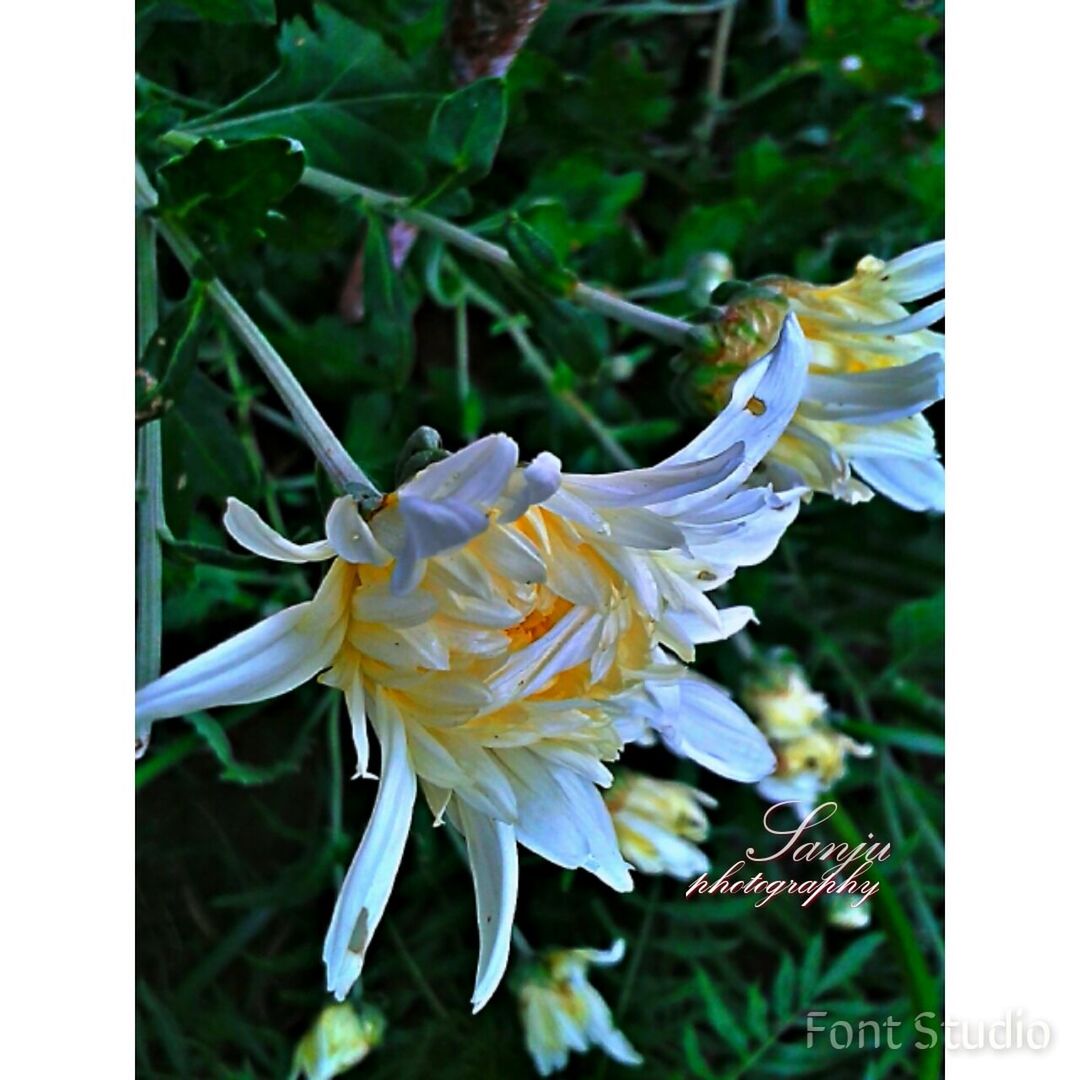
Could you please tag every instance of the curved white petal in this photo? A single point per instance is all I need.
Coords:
(430, 529)
(476, 474)
(876, 397)
(712, 730)
(533, 484)
(776, 383)
(350, 536)
(250, 531)
(657, 484)
(268, 659)
(914, 483)
(917, 273)
(366, 889)
(493, 860)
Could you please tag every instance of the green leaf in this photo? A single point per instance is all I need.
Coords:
(918, 627)
(467, 128)
(225, 193)
(720, 1017)
(783, 991)
(169, 359)
(345, 96)
(534, 257)
(886, 38)
(811, 969)
(203, 453)
(232, 11)
(386, 309)
(757, 1013)
(217, 742)
(850, 962)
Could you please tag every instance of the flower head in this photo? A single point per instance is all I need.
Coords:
(657, 823)
(782, 702)
(561, 1011)
(874, 368)
(339, 1039)
(505, 629)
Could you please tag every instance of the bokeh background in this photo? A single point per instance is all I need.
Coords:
(639, 136)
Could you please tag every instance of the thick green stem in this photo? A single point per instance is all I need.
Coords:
(663, 327)
(343, 471)
(150, 510)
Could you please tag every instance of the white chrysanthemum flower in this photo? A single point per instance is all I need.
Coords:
(809, 765)
(339, 1039)
(874, 368)
(657, 823)
(782, 702)
(561, 1011)
(505, 629)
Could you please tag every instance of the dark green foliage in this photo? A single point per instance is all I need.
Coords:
(600, 157)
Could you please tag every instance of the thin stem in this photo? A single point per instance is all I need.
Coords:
(534, 359)
(662, 327)
(344, 472)
(714, 82)
(150, 507)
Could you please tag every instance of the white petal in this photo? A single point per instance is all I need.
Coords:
(250, 531)
(511, 555)
(916, 484)
(268, 659)
(534, 484)
(712, 730)
(375, 603)
(476, 474)
(776, 381)
(351, 536)
(876, 397)
(917, 273)
(431, 528)
(493, 860)
(356, 705)
(366, 890)
(658, 484)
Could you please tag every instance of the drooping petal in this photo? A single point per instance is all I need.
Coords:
(493, 860)
(763, 400)
(658, 484)
(366, 889)
(712, 730)
(271, 658)
(249, 530)
(917, 273)
(350, 535)
(876, 397)
(914, 483)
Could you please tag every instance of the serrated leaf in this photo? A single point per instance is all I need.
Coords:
(757, 1014)
(467, 128)
(783, 990)
(850, 962)
(695, 1060)
(345, 95)
(224, 194)
(721, 1018)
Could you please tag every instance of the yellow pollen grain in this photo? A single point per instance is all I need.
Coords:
(755, 406)
(537, 623)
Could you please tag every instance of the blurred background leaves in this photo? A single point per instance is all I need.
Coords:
(610, 154)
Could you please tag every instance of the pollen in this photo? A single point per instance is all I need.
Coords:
(538, 622)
